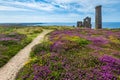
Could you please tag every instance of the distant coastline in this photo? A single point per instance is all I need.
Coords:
(110, 25)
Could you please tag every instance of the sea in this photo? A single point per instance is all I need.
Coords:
(109, 25)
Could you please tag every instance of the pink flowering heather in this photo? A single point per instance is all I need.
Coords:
(11, 37)
(78, 54)
(92, 46)
(98, 40)
(41, 72)
(111, 66)
(8, 39)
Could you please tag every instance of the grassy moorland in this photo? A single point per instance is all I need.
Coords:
(75, 54)
(13, 39)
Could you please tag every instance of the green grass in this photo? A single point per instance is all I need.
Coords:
(57, 27)
(45, 46)
(11, 48)
(78, 40)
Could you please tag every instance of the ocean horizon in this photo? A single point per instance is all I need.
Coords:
(110, 25)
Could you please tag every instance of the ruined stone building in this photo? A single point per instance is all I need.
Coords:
(85, 24)
(79, 24)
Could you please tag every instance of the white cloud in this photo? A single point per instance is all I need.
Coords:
(29, 5)
(85, 6)
(6, 8)
(36, 5)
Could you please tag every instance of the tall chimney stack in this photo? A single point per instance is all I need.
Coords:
(98, 17)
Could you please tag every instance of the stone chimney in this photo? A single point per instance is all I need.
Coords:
(98, 17)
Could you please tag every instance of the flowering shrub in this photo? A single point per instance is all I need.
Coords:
(70, 55)
(40, 72)
(98, 40)
(66, 41)
(12, 36)
(112, 63)
(109, 69)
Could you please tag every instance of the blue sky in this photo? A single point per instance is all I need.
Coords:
(56, 10)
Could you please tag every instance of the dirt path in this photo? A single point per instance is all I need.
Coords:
(9, 71)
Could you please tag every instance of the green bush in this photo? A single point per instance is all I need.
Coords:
(8, 43)
(45, 46)
(3, 60)
(80, 41)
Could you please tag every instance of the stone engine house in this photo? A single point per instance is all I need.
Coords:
(85, 24)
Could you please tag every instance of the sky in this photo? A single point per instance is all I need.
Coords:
(22, 11)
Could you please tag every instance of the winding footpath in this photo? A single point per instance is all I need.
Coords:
(10, 70)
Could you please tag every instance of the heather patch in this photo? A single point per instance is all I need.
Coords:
(109, 69)
(67, 41)
(75, 54)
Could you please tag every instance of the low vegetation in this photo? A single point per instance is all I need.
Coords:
(13, 39)
(75, 54)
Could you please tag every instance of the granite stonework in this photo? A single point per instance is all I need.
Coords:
(85, 24)
(98, 17)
